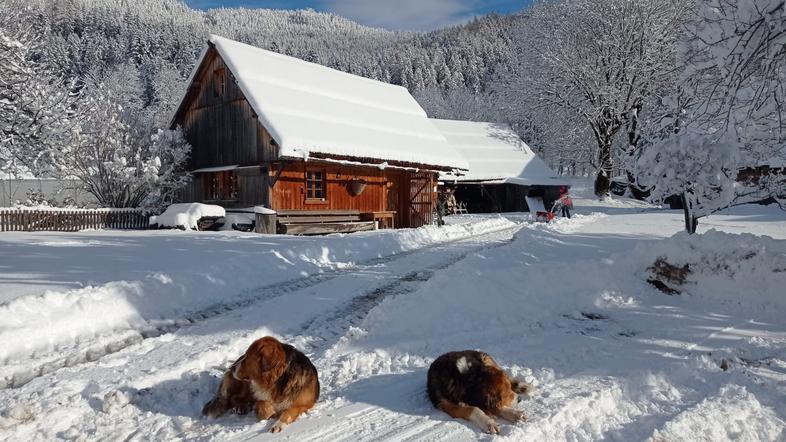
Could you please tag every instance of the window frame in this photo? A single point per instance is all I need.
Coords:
(323, 180)
(220, 186)
(219, 82)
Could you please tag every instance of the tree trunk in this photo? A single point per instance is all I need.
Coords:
(604, 128)
(691, 221)
(603, 178)
(634, 136)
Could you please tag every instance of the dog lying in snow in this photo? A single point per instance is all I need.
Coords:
(272, 379)
(470, 385)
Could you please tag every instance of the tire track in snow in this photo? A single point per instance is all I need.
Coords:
(327, 330)
(104, 345)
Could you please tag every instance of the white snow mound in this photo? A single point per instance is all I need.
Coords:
(186, 215)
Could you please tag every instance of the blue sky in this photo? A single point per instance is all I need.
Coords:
(391, 14)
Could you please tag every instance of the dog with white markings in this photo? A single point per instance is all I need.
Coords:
(272, 379)
(470, 385)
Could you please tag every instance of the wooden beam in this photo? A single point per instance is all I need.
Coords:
(324, 229)
(318, 212)
(280, 169)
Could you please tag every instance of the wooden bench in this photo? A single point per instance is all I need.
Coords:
(385, 219)
(321, 222)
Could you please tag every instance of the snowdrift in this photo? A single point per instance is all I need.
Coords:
(744, 269)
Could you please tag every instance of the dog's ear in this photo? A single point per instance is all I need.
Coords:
(270, 355)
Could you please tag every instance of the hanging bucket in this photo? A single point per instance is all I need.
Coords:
(356, 186)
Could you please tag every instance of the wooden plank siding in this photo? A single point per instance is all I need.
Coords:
(289, 193)
(222, 128)
(253, 189)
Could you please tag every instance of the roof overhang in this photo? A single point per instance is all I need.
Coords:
(372, 162)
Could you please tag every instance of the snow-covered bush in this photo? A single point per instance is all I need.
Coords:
(120, 158)
(693, 164)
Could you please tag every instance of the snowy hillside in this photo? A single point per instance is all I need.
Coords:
(566, 306)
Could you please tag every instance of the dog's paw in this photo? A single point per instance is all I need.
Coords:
(278, 427)
(486, 423)
(512, 415)
(491, 427)
(214, 408)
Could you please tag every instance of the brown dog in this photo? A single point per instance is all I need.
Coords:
(470, 385)
(273, 379)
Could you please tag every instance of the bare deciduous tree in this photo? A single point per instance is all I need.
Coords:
(600, 60)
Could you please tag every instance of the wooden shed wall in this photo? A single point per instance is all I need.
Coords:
(222, 129)
(289, 191)
(253, 189)
(386, 190)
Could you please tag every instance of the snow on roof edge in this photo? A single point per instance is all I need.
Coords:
(478, 141)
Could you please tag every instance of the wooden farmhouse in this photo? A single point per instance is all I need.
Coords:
(318, 146)
(505, 175)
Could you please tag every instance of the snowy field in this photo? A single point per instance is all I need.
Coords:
(123, 335)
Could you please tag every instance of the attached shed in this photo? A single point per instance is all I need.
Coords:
(268, 129)
(503, 170)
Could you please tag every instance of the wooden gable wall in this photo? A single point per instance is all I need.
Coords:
(223, 129)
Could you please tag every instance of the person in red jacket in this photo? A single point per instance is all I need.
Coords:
(563, 203)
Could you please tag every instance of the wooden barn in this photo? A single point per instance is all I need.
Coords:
(317, 145)
(505, 175)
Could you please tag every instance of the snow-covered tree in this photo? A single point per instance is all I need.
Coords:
(36, 106)
(599, 60)
(120, 159)
(725, 140)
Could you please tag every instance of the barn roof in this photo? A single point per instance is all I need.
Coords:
(495, 155)
(315, 111)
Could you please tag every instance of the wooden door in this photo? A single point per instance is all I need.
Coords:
(394, 200)
(421, 199)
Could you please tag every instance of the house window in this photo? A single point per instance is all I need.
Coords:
(219, 82)
(220, 186)
(315, 185)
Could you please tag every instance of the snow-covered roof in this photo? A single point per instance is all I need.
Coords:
(313, 110)
(495, 155)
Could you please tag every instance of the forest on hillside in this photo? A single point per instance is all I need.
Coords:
(597, 87)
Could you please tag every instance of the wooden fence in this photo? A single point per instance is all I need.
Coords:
(62, 220)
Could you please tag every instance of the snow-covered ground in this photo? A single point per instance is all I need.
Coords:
(565, 306)
(68, 297)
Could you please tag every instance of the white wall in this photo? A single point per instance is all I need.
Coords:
(17, 190)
